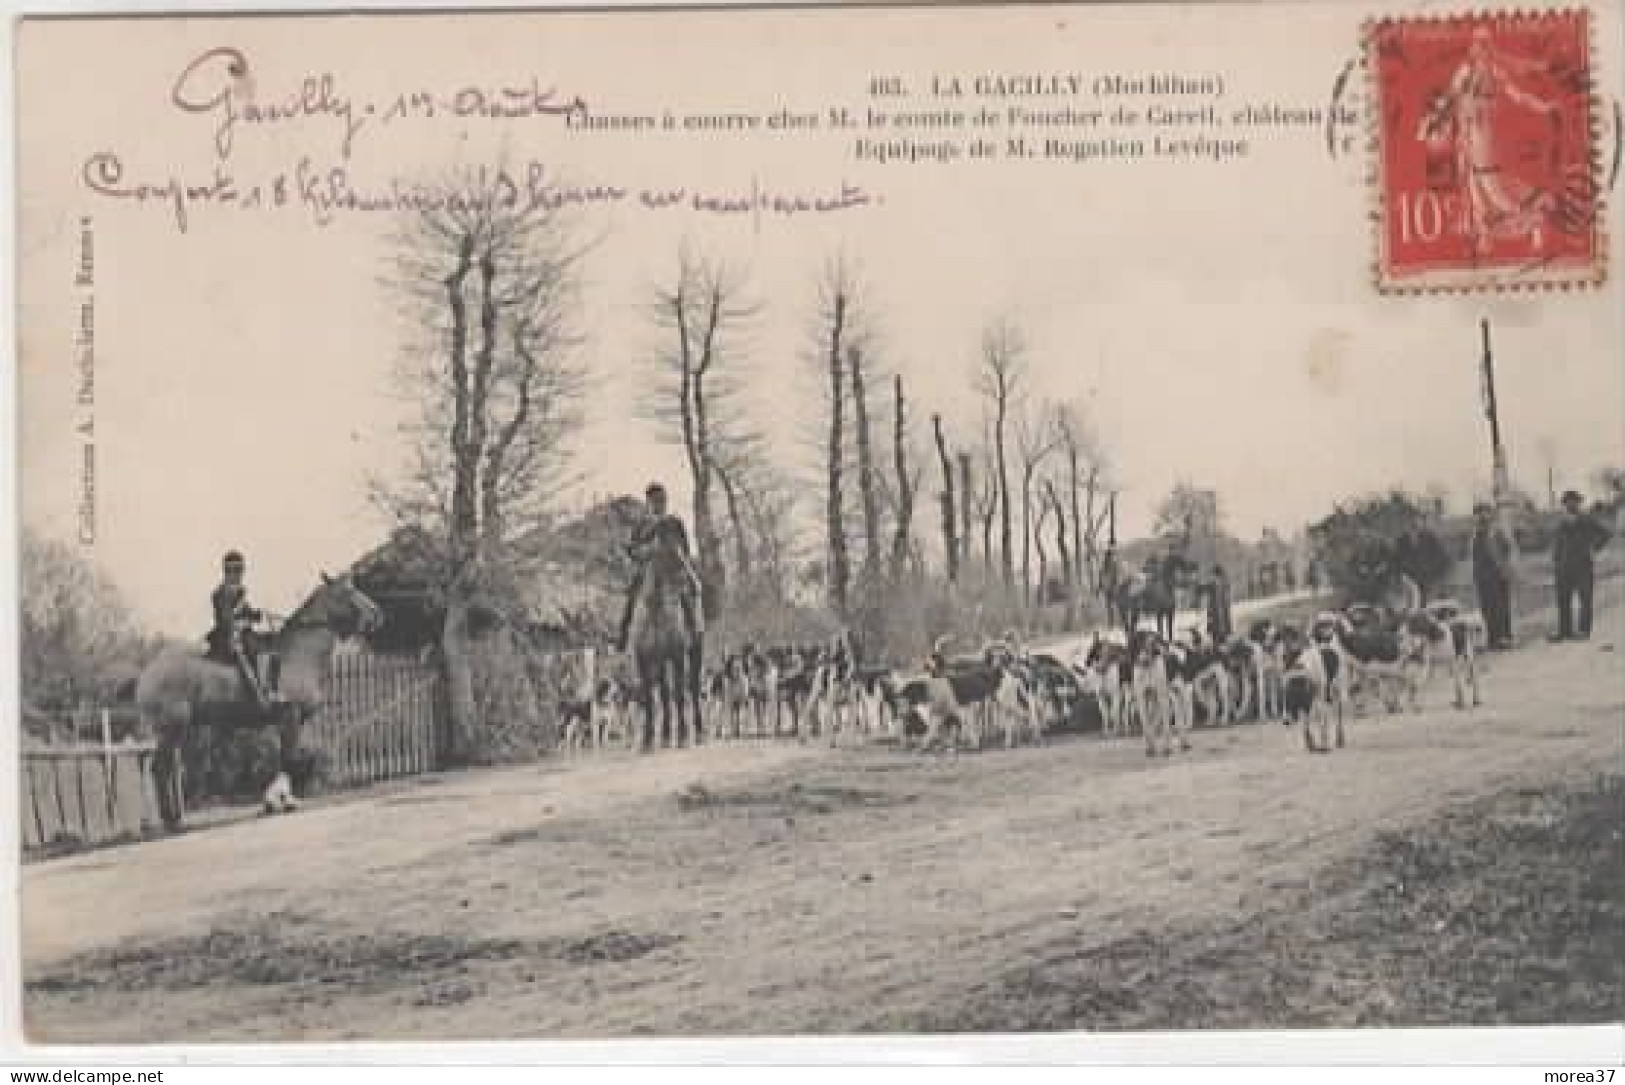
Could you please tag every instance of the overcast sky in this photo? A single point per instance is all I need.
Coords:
(1219, 320)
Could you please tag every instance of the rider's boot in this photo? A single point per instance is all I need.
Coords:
(273, 678)
(246, 667)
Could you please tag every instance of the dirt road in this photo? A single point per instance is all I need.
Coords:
(755, 889)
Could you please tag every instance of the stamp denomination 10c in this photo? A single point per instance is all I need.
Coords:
(1486, 164)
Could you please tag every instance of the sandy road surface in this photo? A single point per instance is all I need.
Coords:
(753, 889)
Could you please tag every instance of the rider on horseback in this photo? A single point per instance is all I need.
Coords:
(232, 640)
(661, 529)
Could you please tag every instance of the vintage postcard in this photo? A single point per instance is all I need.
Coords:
(777, 522)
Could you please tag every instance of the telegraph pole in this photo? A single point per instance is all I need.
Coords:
(1498, 459)
(1500, 482)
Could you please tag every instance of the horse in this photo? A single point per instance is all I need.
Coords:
(1152, 591)
(667, 655)
(183, 688)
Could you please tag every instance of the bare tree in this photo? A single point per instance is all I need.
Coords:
(1085, 478)
(867, 488)
(1068, 569)
(76, 637)
(768, 499)
(738, 531)
(1001, 381)
(950, 542)
(1608, 482)
(487, 281)
(1044, 511)
(703, 318)
(907, 482)
(838, 328)
(987, 508)
(1036, 439)
(965, 533)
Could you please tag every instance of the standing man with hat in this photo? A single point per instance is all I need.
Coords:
(1492, 575)
(661, 528)
(1579, 537)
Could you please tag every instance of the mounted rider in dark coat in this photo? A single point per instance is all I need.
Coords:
(661, 529)
(232, 639)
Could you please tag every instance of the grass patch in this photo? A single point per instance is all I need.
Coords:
(1506, 911)
(288, 949)
(794, 798)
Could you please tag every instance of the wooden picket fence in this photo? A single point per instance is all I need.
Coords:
(86, 793)
(385, 718)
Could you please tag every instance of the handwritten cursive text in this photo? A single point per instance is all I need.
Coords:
(219, 83)
(325, 192)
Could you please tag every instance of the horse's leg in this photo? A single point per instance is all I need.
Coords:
(696, 679)
(687, 729)
(647, 676)
(171, 763)
(656, 684)
(1185, 716)
(688, 715)
(670, 723)
(670, 732)
(688, 712)
(169, 772)
(695, 690)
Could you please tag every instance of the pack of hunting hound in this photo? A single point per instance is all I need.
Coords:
(1340, 664)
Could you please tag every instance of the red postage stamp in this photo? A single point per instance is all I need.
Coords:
(1486, 164)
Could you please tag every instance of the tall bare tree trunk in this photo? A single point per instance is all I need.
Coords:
(697, 444)
(1001, 384)
(840, 566)
(905, 482)
(1075, 573)
(693, 396)
(949, 543)
(498, 396)
(713, 574)
(866, 471)
(1027, 536)
(1043, 556)
(990, 517)
(1068, 570)
(1006, 559)
(736, 522)
(965, 532)
(1089, 560)
(464, 540)
(457, 650)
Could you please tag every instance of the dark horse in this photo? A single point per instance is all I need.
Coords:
(182, 689)
(1152, 592)
(667, 653)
